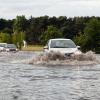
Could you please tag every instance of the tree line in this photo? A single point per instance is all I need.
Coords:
(85, 31)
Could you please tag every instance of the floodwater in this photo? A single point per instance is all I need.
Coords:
(22, 81)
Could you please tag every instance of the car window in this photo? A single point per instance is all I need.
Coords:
(11, 46)
(62, 44)
(2, 45)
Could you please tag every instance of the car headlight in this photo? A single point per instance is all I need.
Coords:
(77, 52)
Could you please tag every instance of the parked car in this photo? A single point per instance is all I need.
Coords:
(2, 46)
(10, 47)
(65, 46)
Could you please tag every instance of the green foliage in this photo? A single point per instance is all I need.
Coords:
(81, 40)
(90, 40)
(19, 29)
(51, 32)
(7, 30)
(19, 24)
(84, 30)
(4, 37)
(36, 26)
(18, 38)
(92, 32)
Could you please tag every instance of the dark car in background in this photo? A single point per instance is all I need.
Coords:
(10, 47)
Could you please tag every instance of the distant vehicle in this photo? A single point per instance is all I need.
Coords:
(2, 46)
(64, 46)
(10, 47)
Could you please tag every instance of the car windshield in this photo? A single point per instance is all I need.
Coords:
(11, 46)
(2, 45)
(62, 44)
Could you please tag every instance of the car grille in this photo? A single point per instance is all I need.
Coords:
(12, 49)
(68, 54)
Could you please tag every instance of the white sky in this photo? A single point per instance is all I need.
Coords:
(11, 8)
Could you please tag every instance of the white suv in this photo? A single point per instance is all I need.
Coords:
(64, 46)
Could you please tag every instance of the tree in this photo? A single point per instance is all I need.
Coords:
(36, 27)
(18, 38)
(51, 32)
(81, 40)
(19, 28)
(90, 39)
(4, 37)
(92, 32)
(7, 30)
(20, 24)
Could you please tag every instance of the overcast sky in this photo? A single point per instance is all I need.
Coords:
(11, 8)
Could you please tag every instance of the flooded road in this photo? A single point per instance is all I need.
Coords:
(22, 81)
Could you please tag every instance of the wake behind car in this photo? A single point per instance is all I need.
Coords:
(64, 46)
(10, 47)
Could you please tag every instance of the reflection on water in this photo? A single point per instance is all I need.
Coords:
(21, 81)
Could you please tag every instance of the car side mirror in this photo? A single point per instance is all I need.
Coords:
(78, 47)
(45, 47)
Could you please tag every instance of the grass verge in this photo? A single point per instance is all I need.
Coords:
(33, 48)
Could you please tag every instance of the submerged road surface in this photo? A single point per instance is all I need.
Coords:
(21, 81)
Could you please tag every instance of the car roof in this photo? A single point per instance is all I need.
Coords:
(60, 39)
(10, 44)
(3, 43)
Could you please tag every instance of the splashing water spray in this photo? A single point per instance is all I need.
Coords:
(54, 58)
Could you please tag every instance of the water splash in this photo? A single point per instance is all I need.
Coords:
(56, 58)
(52, 58)
(89, 56)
